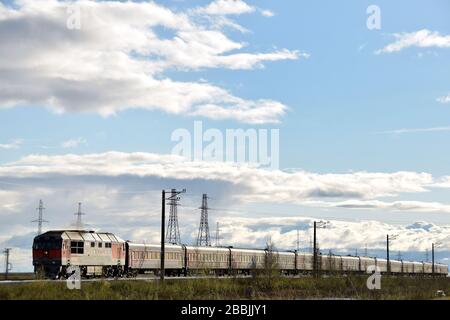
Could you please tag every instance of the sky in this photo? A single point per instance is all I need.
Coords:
(91, 93)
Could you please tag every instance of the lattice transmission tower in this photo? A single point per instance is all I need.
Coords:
(173, 230)
(79, 223)
(203, 238)
(40, 220)
(217, 234)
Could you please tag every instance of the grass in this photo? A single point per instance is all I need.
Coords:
(18, 276)
(233, 288)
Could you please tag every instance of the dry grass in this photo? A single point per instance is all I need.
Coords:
(18, 276)
(234, 288)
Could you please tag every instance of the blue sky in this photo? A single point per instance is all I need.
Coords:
(339, 98)
(345, 103)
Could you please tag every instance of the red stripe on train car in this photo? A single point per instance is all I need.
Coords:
(48, 254)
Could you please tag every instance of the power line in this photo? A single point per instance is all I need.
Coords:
(203, 238)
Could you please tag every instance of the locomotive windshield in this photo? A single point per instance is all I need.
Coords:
(47, 243)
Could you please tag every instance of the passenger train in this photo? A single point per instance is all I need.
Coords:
(106, 255)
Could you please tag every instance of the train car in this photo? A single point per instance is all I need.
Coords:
(350, 264)
(331, 263)
(247, 259)
(427, 268)
(286, 262)
(396, 266)
(366, 262)
(417, 267)
(95, 253)
(304, 262)
(142, 258)
(382, 265)
(208, 258)
(408, 267)
(441, 269)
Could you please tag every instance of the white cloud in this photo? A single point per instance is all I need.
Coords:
(422, 39)
(118, 60)
(444, 99)
(267, 13)
(260, 185)
(226, 7)
(73, 143)
(414, 130)
(15, 144)
(9, 201)
(414, 206)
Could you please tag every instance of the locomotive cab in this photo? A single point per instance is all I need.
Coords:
(47, 249)
(94, 253)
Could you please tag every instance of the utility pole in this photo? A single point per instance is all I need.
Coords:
(203, 238)
(79, 224)
(174, 193)
(321, 225)
(393, 237)
(432, 259)
(173, 230)
(40, 219)
(387, 255)
(8, 265)
(315, 252)
(298, 242)
(399, 256)
(163, 222)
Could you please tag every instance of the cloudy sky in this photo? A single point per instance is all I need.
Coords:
(91, 92)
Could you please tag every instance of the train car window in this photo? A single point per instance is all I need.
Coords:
(92, 244)
(100, 244)
(77, 247)
(107, 245)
